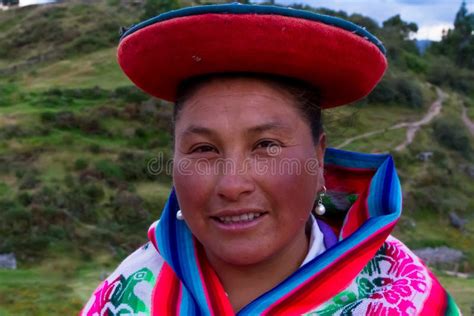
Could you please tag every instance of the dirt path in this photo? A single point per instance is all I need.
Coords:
(7, 120)
(412, 127)
(469, 124)
(365, 135)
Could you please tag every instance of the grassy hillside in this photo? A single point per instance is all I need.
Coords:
(76, 139)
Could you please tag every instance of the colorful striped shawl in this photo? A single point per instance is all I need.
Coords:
(367, 272)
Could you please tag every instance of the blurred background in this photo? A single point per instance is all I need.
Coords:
(81, 148)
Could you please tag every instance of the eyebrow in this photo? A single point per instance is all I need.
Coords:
(275, 126)
(270, 126)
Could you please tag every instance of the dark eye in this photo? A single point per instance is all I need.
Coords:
(267, 144)
(203, 149)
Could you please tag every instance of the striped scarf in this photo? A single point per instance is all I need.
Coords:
(365, 272)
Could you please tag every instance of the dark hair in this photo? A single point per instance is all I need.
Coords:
(306, 97)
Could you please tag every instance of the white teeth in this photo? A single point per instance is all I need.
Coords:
(247, 217)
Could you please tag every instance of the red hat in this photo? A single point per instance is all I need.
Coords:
(342, 60)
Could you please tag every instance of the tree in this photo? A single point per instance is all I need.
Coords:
(458, 43)
(396, 35)
(399, 27)
(461, 16)
(370, 24)
(9, 2)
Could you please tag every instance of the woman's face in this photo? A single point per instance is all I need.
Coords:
(246, 170)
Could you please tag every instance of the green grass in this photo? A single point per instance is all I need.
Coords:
(4, 63)
(5, 189)
(153, 192)
(346, 122)
(65, 29)
(58, 286)
(462, 290)
(379, 143)
(96, 69)
(70, 139)
(34, 293)
(30, 108)
(54, 165)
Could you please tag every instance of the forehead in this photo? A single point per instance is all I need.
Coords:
(235, 85)
(239, 95)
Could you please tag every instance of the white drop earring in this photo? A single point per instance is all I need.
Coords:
(320, 209)
(179, 215)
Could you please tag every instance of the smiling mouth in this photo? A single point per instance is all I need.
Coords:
(236, 219)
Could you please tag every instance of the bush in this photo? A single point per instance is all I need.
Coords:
(56, 97)
(50, 212)
(29, 181)
(25, 198)
(48, 117)
(415, 63)
(385, 92)
(109, 169)
(133, 166)
(16, 214)
(91, 126)
(130, 94)
(140, 132)
(443, 72)
(53, 98)
(7, 94)
(93, 93)
(66, 120)
(128, 207)
(57, 232)
(409, 93)
(48, 196)
(95, 148)
(80, 205)
(452, 134)
(94, 192)
(402, 91)
(15, 218)
(14, 131)
(80, 164)
(86, 43)
(163, 139)
(38, 242)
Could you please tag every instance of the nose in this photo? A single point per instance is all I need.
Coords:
(232, 186)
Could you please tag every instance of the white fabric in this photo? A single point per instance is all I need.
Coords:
(316, 242)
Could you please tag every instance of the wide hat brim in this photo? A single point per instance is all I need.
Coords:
(340, 59)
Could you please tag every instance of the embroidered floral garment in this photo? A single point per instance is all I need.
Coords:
(366, 272)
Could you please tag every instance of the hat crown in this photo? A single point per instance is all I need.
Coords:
(340, 59)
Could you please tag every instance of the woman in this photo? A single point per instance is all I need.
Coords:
(246, 229)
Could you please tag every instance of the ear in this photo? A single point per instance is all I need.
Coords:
(320, 150)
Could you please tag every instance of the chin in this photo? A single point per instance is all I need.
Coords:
(242, 256)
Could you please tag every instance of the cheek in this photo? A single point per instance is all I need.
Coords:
(292, 188)
(192, 189)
